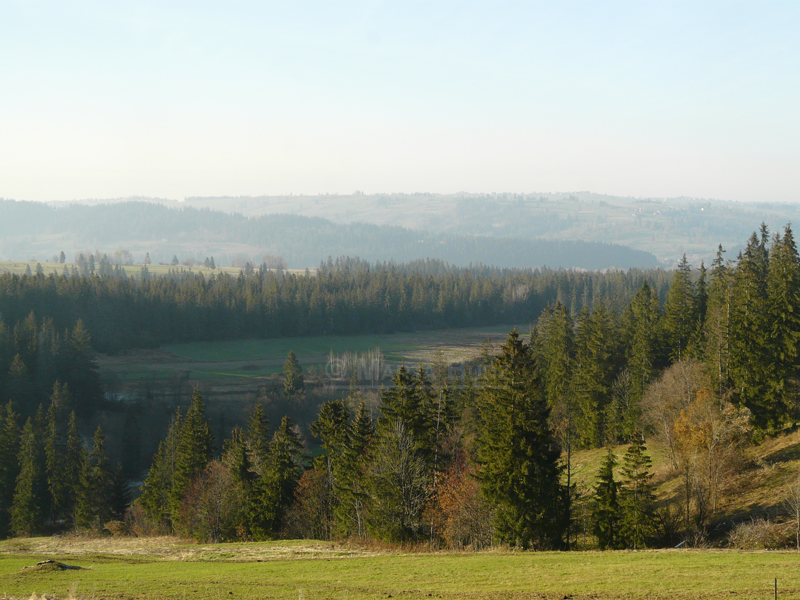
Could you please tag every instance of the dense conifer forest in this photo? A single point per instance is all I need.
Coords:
(705, 358)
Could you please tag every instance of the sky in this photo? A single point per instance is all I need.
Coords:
(176, 99)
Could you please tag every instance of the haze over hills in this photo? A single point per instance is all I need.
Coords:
(39, 231)
(665, 227)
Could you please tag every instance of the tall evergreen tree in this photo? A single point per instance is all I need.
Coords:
(749, 325)
(643, 339)
(30, 504)
(717, 323)
(56, 453)
(519, 456)
(350, 485)
(680, 312)
(606, 513)
(783, 333)
(636, 497)
(194, 450)
(293, 382)
(74, 465)
(94, 507)
(157, 487)
(280, 480)
(9, 464)
(256, 437)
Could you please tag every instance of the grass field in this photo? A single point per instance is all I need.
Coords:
(255, 359)
(317, 570)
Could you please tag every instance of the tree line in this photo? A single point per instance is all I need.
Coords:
(49, 479)
(343, 297)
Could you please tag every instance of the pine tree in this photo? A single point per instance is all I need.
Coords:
(636, 497)
(293, 383)
(194, 450)
(521, 472)
(606, 513)
(29, 507)
(9, 464)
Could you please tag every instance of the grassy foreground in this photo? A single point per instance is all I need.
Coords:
(317, 570)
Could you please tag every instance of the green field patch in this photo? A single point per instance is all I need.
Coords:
(310, 572)
(395, 346)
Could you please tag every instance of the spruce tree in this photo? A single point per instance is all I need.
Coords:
(194, 450)
(30, 503)
(717, 322)
(350, 485)
(157, 487)
(293, 383)
(748, 327)
(520, 460)
(9, 464)
(56, 453)
(783, 333)
(280, 479)
(606, 513)
(636, 497)
(74, 465)
(256, 437)
(643, 345)
(94, 507)
(679, 311)
(410, 401)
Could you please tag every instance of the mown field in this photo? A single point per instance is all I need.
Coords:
(166, 569)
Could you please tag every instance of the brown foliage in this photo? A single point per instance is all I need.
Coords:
(212, 509)
(311, 515)
(709, 440)
(458, 513)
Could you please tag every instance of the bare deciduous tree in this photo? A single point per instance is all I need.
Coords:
(792, 504)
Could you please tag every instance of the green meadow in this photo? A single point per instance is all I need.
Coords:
(322, 570)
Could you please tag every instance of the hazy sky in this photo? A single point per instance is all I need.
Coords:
(172, 99)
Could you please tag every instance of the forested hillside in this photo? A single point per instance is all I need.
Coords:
(666, 227)
(707, 366)
(32, 229)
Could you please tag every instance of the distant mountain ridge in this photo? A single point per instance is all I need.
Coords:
(665, 227)
(164, 228)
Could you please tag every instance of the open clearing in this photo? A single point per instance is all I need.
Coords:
(254, 359)
(165, 569)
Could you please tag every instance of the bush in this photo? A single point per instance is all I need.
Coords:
(757, 534)
(117, 528)
(138, 524)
